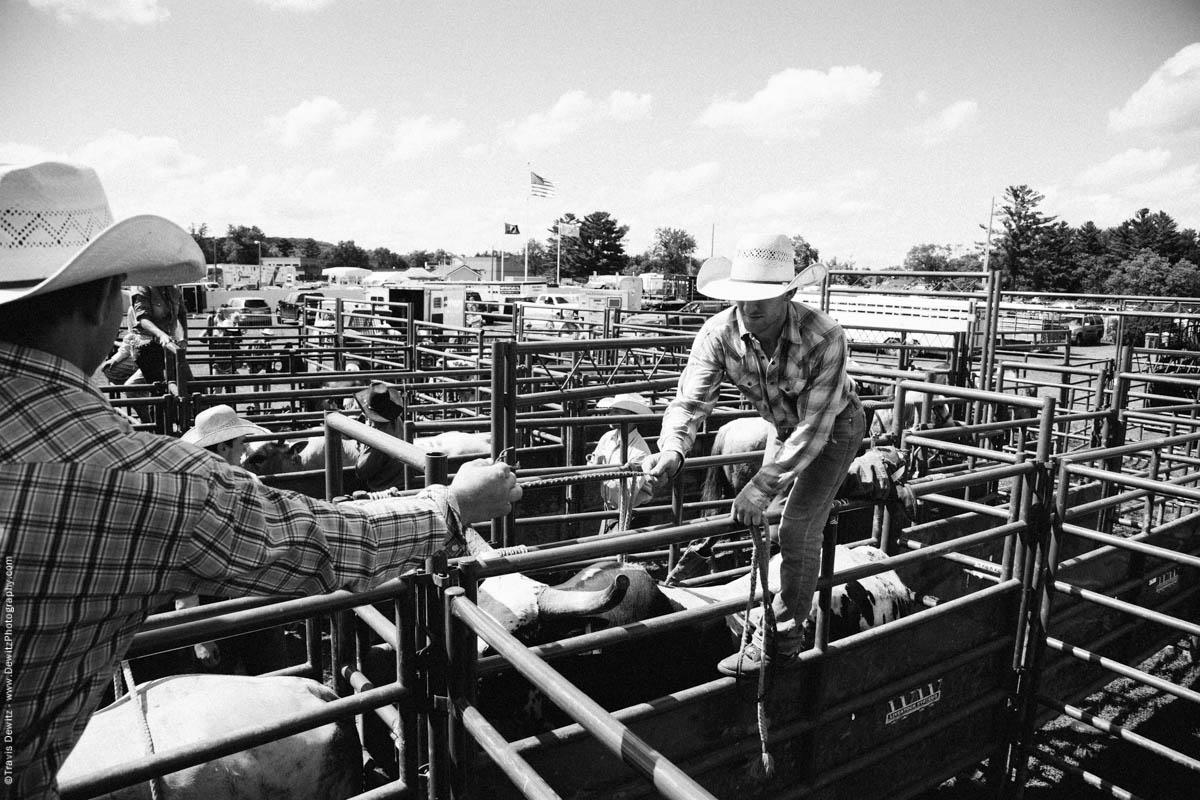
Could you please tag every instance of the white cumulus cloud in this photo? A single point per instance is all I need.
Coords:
(662, 184)
(140, 158)
(570, 114)
(627, 106)
(136, 12)
(296, 5)
(1133, 164)
(1168, 102)
(307, 120)
(420, 135)
(356, 132)
(794, 102)
(951, 120)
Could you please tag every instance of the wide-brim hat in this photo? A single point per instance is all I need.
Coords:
(219, 424)
(762, 267)
(380, 402)
(57, 230)
(633, 403)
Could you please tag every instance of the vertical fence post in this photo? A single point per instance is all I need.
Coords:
(405, 613)
(460, 664)
(504, 419)
(333, 462)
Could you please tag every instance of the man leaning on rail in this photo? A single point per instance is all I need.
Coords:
(100, 523)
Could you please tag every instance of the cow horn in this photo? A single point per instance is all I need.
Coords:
(557, 603)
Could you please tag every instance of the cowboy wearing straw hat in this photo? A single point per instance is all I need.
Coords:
(789, 361)
(622, 444)
(220, 430)
(99, 523)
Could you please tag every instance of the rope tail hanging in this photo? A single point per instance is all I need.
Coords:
(139, 700)
(759, 571)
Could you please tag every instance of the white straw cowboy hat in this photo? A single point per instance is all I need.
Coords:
(633, 403)
(219, 424)
(762, 267)
(57, 230)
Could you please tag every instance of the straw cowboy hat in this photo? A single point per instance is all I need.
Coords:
(57, 230)
(633, 403)
(380, 402)
(219, 424)
(762, 267)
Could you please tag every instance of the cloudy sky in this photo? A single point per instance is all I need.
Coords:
(867, 127)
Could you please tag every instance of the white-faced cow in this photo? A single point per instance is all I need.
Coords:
(320, 764)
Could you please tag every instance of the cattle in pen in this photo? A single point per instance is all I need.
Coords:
(324, 763)
(278, 457)
(618, 593)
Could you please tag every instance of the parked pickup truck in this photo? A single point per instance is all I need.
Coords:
(289, 308)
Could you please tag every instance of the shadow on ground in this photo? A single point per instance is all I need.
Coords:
(1154, 714)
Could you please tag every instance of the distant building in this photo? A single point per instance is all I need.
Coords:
(304, 269)
(456, 270)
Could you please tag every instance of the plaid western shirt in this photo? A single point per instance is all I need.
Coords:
(100, 524)
(800, 389)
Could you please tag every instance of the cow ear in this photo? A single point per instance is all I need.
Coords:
(297, 447)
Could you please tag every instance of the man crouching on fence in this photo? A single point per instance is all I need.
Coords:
(789, 362)
(100, 523)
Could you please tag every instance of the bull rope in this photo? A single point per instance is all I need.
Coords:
(533, 483)
(136, 697)
(759, 570)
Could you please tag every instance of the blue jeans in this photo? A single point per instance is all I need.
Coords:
(803, 524)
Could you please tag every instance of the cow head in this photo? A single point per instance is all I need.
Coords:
(273, 458)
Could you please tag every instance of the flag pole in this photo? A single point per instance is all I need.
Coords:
(528, 168)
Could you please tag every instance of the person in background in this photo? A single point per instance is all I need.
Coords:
(99, 523)
(222, 432)
(158, 313)
(789, 362)
(622, 445)
(120, 366)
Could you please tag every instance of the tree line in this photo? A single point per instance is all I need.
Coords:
(1146, 254)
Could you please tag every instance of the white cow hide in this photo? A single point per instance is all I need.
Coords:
(320, 764)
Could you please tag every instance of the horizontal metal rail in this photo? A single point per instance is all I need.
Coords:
(1157, 487)
(177, 758)
(505, 756)
(1115, 634)
(389, 445)
(1123, 670)
(1140, 612)
(1090, 778)
(1120, 732)
(230, 623)
(942, 446)
(1129, 544)
(672, 782)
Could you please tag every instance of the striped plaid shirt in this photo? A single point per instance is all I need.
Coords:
(100, 524)
(800, 388)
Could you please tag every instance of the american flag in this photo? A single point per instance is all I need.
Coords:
(539, 186)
